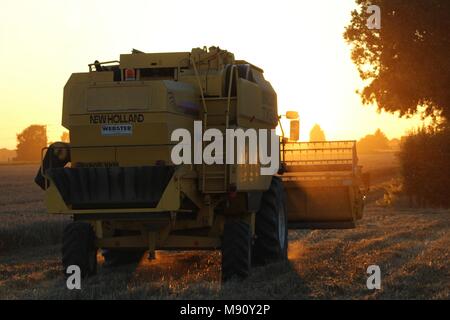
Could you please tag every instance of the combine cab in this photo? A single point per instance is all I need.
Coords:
(118, 180)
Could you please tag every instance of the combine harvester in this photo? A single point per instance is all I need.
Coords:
(126, 195)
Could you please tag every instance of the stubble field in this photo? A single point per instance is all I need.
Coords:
(411, 246)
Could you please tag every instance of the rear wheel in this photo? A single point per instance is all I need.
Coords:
(271, 230)
(79, 248)
(236, 250)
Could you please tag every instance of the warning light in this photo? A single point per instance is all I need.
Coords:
(130, 74)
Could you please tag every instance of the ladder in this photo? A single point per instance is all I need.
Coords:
(214, 178)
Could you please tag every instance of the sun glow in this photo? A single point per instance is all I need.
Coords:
(299, 44)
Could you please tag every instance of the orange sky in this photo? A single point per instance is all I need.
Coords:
(298, 43)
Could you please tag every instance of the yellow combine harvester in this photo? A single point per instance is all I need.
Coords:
(118, 180)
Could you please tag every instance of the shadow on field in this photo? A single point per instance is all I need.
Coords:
(172, 275)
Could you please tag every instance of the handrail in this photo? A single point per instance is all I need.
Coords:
(230, 84)
(101, 63)
(227, 114)
(197, 77)
(352, 142)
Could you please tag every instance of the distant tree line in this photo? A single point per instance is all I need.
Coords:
(373, 142)
(30, 143)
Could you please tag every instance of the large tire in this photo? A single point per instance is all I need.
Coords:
(118, 257)
(79, 248)
(271, 229)
(236, 250)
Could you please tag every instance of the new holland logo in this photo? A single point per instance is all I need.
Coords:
(117, 130)
(116, 118)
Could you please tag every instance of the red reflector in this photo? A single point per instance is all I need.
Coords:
(232, 194)
(232, 191)
(130, 74)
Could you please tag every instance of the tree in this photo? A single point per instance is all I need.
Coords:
(65, 137)
(425, 166)
(316, 133)
(406, 63)
(373, 142)
(394, 144)
(30, 143)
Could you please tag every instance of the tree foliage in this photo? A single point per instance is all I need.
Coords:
(406, 64)
(425, 166)
(316, 134)
(30, 143)
(373, 142)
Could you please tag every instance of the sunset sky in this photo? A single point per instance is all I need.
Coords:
(299, 44)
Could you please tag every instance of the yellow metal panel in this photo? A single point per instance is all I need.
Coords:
(214, 87)
(92, 155)
(249, 102)
(122, 242)
(104, 76)
(53, 200)
(170, 200)
(138, 156)
(114, 98)
(153, 128)
(191, 242)
(154, 60)
(142, 134)
(73, 101)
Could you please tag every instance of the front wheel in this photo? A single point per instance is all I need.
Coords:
(79, 248)
(271, 229)
(236, 250)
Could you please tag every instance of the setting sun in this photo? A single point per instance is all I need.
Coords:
(298, 44)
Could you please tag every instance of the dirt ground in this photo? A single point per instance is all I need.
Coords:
(411, 246)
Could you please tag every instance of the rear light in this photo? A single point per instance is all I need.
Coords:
(130, 74)
(232, 191)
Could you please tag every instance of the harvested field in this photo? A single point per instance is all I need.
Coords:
(411, 246)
